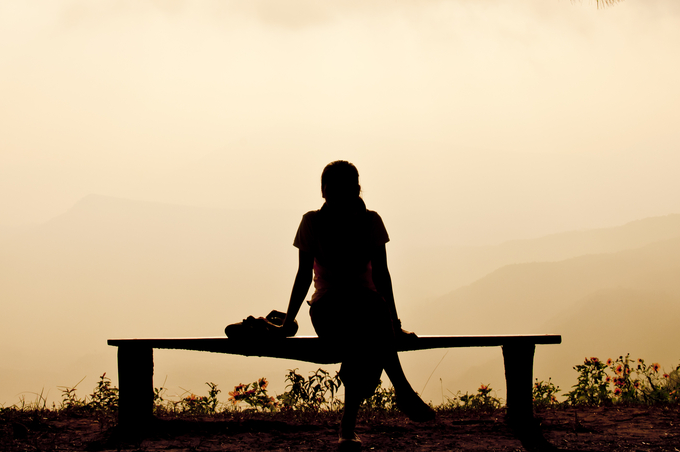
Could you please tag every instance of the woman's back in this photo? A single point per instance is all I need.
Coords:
(342, 243)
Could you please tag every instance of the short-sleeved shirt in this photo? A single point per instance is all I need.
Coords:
(341, 245)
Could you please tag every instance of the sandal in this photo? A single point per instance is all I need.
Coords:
(261, 328)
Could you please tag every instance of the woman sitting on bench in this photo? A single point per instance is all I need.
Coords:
(342, 247)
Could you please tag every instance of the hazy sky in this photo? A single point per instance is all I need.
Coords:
(500, 118)
(471, 122)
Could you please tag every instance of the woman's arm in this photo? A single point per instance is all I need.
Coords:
(383, 284)
(303, 279)
(383, 281)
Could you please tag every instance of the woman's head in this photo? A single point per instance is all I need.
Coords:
(340, 182)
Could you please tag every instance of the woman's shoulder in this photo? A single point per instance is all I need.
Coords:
(310, 215)
(377, 227)
(309, 219)
(374, 216)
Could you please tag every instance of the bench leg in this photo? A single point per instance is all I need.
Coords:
(519, 373)
(135, 384)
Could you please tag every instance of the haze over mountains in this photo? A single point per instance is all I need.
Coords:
(134, 268)
(444, 268)
(603, 305)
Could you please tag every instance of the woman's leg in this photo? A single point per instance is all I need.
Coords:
(358, 326)
(370, 361)
(353, 401)
(336, 321)
(408, 400)
(395, 372)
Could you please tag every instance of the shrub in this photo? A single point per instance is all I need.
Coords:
(254, 395)
(317, 392)
(199, 405)
(544, 394)
(105, 396)
(159, 404)
(623, 380)
(69, 399)
(103, 400)
(672, 385)
(383, 399)
(592, 387)
(482, 401)
(630, 381)
(649, 386)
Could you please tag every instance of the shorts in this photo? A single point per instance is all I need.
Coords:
(355, 324)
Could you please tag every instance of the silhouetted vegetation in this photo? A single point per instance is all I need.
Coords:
(624, 380)
(599, 383)
(310, 404)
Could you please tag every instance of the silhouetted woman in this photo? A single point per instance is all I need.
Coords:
(342, 248)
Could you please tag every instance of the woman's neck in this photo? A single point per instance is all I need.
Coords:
(344, 206)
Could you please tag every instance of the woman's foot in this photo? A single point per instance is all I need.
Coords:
(413, 406)
(349, 442)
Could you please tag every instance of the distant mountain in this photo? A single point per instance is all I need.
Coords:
(119, 268)
(603, 305)
(120, 257)
(607, 324)
(617, 321)
(521, 297)
(432, 272)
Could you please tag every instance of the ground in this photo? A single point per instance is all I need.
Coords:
(595, 429)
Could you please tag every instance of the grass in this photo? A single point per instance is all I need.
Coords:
(621, 381)
(310, 409)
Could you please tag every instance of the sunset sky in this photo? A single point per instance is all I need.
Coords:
(472, 122)
(500, 118)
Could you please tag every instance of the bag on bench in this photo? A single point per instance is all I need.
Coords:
(253, 328)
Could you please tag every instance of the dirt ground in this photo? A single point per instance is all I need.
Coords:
(592, 429)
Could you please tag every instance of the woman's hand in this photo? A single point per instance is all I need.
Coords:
(288, 329)
(401, 333)
(404, 334)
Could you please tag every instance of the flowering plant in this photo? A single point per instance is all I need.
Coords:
(592, 387)
(624, 380)
(483, 400)
(544, 393)
(313, 393)
(194, 404)
(254, 394)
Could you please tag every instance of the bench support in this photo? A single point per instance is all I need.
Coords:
(519, 365)
(135, 370)
(135, 382)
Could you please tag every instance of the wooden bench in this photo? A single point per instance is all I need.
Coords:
(135, 365)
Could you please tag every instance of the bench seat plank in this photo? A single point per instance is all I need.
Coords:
(312, 349)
